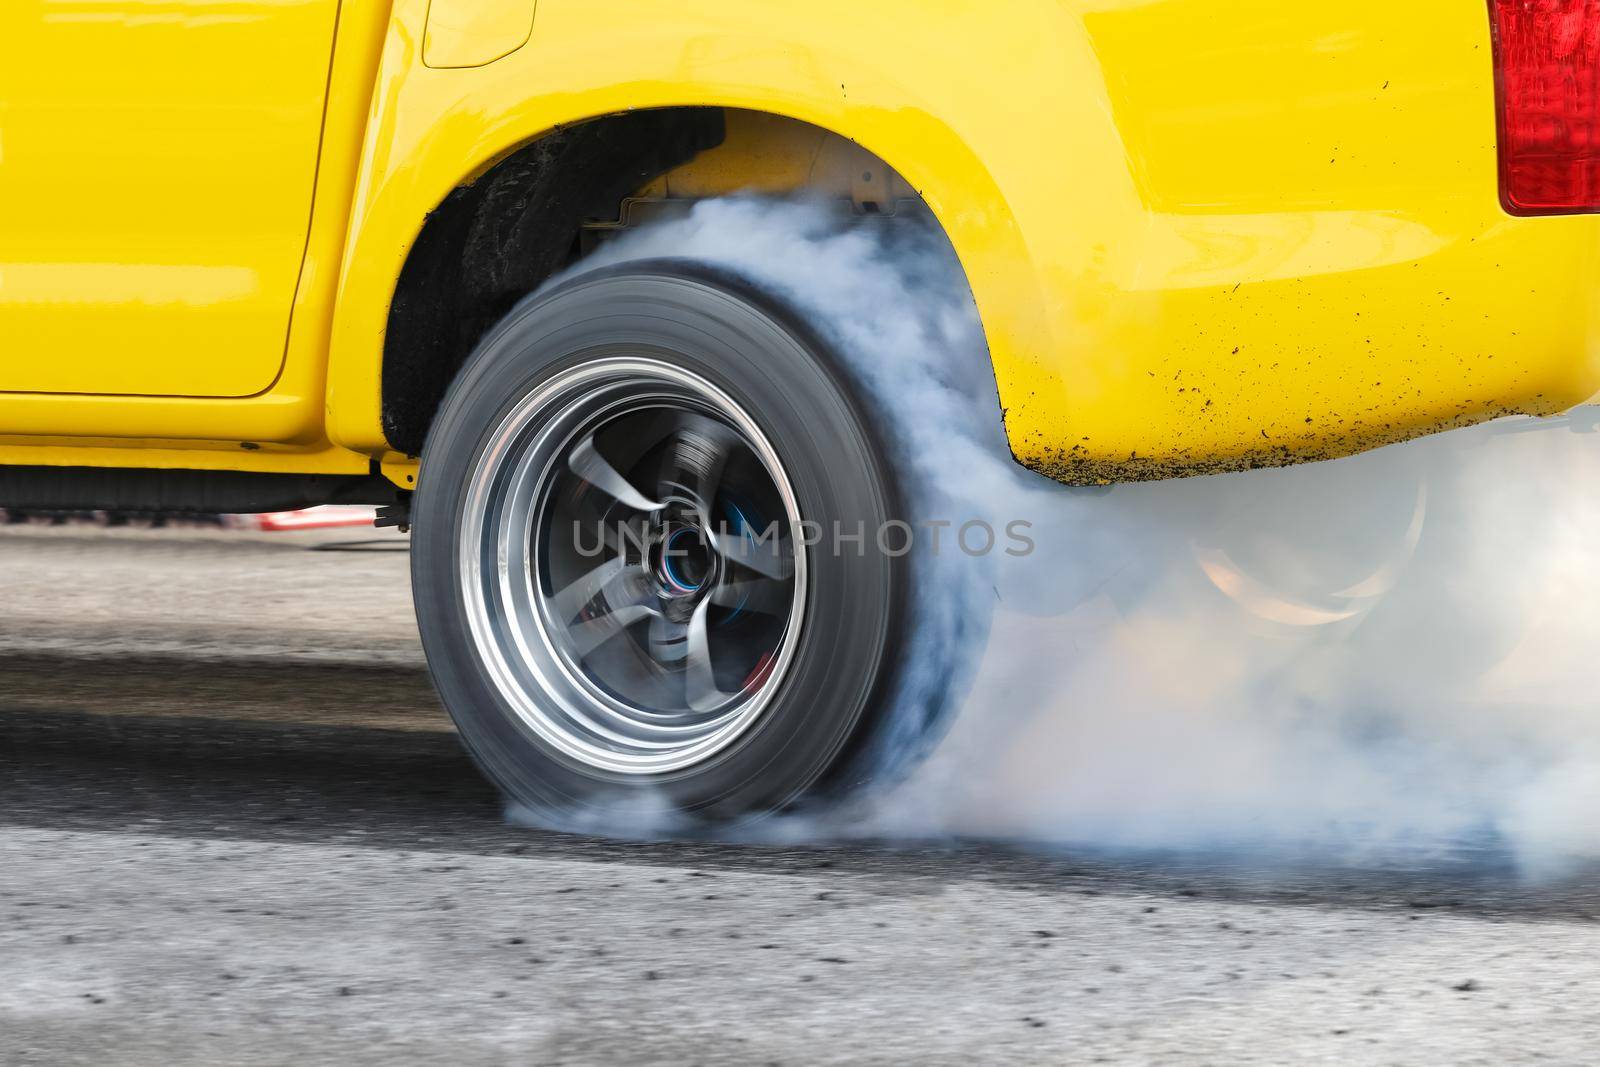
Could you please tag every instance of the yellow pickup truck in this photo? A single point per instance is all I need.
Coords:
(265, 253)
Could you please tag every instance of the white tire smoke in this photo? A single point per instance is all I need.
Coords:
(1386, 653)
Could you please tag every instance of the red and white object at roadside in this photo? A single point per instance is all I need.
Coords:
(325, 517)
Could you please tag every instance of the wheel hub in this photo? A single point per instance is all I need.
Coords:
(684, 565)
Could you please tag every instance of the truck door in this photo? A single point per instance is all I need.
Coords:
(157, 163)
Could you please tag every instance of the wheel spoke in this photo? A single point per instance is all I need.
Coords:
(630, 539)
(590, 635)
(667, 640)
(768, 557)
(701, 449)
(587, 463)
(608, 576)
(700, 681)
(761, 595)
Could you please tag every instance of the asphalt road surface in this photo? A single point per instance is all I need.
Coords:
(235, 828)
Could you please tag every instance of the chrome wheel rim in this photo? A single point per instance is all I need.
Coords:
(631, 577)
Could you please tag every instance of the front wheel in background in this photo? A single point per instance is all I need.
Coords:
(626, 567)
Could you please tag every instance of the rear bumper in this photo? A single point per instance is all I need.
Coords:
(1276, 358)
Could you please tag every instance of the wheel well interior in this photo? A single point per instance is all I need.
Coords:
(495, 239)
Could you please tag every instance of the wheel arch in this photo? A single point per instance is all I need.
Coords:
(399, 237)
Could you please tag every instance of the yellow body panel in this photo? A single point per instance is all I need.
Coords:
(1202, 234)
(467, 33)
(155, 189)
(278, 429)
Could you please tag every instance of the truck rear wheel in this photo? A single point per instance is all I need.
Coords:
(626, 570)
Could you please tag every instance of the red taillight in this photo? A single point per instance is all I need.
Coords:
(1547, 73)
